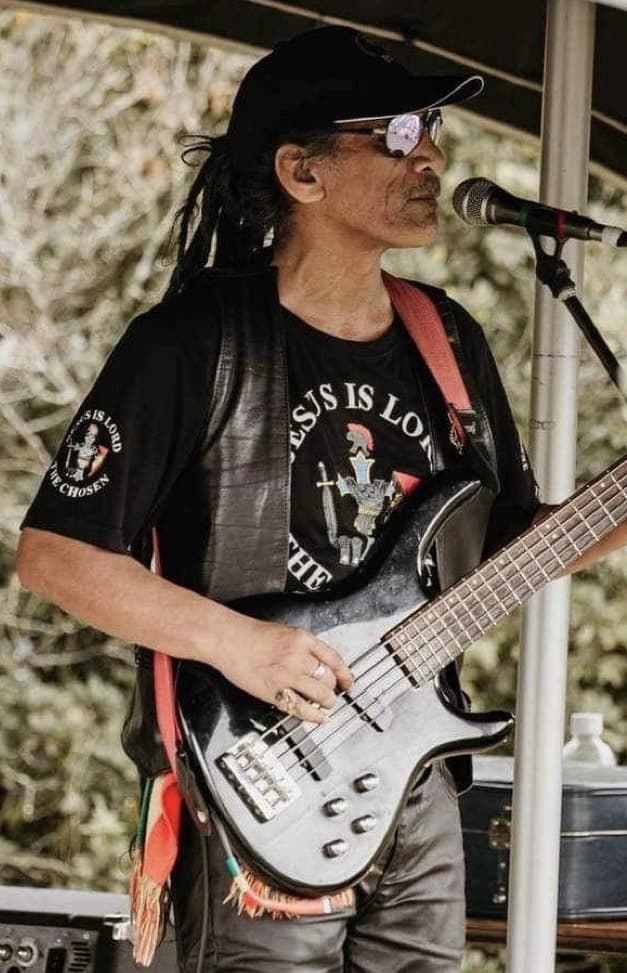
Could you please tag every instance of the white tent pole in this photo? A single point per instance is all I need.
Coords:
(542, 671)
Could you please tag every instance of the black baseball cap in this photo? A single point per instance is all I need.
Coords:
(325, 76)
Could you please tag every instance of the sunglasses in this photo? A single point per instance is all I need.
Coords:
(403, 132)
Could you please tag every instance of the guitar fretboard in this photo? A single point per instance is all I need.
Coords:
(439, 632)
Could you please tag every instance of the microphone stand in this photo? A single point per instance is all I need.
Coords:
(554, 273)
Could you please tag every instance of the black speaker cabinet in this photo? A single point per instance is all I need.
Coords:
(70, 931)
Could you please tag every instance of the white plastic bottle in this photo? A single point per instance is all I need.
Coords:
(585, 745)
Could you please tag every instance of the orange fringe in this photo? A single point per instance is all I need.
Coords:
(147, 912)
(251, 895)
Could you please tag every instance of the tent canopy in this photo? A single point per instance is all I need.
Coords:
(503, 41)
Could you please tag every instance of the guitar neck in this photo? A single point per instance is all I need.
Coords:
(435, 635)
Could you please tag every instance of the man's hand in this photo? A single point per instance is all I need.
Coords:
(266, 658)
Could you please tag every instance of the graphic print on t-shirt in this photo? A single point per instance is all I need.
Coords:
(374, 499)
(357, 451)
(78, 469)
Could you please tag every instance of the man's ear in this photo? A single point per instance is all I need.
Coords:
(298, 175)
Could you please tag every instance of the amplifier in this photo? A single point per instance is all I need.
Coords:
(70, 931)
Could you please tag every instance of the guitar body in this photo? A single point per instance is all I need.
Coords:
(311, 806)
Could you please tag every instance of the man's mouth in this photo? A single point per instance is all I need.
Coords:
(430, 191)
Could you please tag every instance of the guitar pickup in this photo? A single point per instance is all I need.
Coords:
(370, 709)
(311, 756)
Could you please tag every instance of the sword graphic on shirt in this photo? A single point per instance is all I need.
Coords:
(375, 499)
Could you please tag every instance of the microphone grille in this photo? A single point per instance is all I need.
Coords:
(470, 198)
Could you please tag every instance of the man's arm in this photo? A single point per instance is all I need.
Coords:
(116, 594)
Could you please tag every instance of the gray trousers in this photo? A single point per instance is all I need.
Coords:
(409, 915)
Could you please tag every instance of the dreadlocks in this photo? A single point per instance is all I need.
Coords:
(236, 211)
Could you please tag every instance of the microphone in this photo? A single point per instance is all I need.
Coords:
(481, 202)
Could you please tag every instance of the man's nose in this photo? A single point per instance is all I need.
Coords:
(427, 155)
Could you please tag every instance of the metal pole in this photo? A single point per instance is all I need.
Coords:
(542, 672)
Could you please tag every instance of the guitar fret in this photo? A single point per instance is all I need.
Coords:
(509, 587)
(578, 530)
(471, 593)
(442, 644)
(504, 559)
(538, 565)
(585, 522)
(452, 593)
(525, 550)
(569, 538)
(426, 661)
(485, 605)
(407, 651)
(451, 626)
(607, 512)
(484, 608)
(621, 488)
(555, 538)
(552, 553)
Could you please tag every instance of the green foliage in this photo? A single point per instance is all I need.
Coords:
(91, 179)
(62, 765)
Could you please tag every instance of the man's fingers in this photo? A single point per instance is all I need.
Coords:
(335, 663)
(295, 705)
(316, 691)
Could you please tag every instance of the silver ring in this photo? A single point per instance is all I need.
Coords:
(286, 699)
(319, 671)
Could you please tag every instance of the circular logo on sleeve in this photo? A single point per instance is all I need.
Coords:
(80, 467)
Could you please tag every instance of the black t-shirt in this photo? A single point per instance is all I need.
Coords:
(367, 425)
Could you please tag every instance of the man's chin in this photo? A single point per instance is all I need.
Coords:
(419, 235)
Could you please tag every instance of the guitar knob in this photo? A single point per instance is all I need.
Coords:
(335, 849)
(367, 782)
(366, 823)
(337, 805)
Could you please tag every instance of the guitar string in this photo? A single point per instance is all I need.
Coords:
(347, 708)
(552, 522)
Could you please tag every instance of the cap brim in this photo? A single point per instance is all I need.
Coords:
(427, 93)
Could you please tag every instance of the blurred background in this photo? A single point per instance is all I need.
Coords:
(92, 119)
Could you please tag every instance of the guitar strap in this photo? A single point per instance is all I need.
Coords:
(422, 319)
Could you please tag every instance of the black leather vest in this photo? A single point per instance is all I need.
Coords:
(246, 470)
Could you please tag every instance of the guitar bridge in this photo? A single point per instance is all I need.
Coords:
(258, 776)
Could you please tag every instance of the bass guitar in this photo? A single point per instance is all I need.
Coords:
(310, 805)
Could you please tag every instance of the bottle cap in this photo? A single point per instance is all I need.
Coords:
(586, 724)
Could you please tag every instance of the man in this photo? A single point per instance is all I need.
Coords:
(332, 150)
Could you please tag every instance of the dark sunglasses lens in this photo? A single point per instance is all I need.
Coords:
(403, 134)
(405, 131)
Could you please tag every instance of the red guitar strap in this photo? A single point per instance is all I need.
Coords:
(164, 683)
(422, 319)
